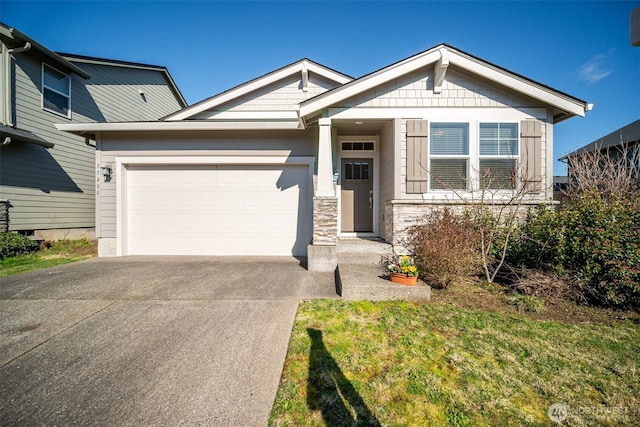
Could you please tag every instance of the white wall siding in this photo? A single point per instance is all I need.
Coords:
(387, 175)
(284, 95)
(251, 144)
(458, 90)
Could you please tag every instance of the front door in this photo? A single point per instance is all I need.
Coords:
(357, 195)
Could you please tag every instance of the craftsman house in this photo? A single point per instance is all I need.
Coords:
(291, 161)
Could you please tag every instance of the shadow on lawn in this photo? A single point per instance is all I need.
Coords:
(329, 391)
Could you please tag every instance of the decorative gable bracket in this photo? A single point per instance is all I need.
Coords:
(439, 70)
(305, 77)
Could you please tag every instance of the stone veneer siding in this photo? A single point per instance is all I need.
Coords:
(4, 215)
(404, 214)
(325, 220)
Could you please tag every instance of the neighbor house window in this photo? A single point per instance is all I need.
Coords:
(498, 156)
(56, 91)
(449, 156)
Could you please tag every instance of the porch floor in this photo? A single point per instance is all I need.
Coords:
(362, 273)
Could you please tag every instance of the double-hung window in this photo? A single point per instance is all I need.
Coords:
(498, 156)
(56, 91)
(449, 156)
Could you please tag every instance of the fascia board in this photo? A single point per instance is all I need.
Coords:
(16, 35)
(93, 128)
(519, 85)
(250, 115)
(368, 82)
(329, 74)
(358, 86)
(233, 93)
(131, 65)
(255, 85)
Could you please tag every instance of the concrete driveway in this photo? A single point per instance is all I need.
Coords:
(148, 340)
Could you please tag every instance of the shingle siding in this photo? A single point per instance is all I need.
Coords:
(284, 95)
(458, 90)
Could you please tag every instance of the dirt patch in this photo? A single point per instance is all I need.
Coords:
(495, 298)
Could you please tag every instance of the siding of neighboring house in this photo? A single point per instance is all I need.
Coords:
(115, 91)
(47, 188)
(283, 95)
(55, 188)
(223, 143)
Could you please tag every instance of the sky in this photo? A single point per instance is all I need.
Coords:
(578, 47)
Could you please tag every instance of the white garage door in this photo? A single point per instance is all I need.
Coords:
(218, 210)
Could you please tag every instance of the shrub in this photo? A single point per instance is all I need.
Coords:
(539, 241)
(594, 242)
(444, 248)
(12, 244)
(526, 303)
(602, 248)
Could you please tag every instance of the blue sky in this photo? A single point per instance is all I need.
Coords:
(581, 48)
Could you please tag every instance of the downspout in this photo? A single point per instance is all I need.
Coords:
(6, 71)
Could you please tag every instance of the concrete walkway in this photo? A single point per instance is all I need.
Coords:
(149, 341)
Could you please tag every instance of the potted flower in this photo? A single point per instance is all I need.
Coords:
(403, 271)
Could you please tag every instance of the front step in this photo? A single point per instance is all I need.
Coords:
(362, 275)
(358, 282)
(363, 251)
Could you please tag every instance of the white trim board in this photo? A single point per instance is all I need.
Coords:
(122, 164)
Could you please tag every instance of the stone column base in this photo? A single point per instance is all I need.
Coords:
(322, 258)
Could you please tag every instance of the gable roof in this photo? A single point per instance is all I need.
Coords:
(628, 134)
(18, 40)
(441, 56)
(257, 83)
(81, 59)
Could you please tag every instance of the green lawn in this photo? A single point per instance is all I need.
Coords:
(405, 364)
(60, 252)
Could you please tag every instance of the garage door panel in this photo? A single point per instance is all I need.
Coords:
(218, 210)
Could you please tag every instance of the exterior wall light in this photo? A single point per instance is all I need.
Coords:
(106, 172)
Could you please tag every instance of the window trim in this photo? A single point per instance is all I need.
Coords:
(66, 95)
(466, 157)
(516, 158)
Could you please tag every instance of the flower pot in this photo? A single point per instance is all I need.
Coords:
(403, 279)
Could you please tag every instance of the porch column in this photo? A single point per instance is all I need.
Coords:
(321, 253)
(325, 160)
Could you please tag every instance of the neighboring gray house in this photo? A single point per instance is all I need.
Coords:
(47, 177)
(290, 162)
(621, 142)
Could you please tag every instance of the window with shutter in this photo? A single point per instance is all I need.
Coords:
(449, 156)
(417, 175)
(498, 156)
(531, 146)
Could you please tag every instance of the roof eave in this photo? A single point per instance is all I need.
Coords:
(22, 135)
(91, 129)
(16, 35)
(566, 103)
(257, 83)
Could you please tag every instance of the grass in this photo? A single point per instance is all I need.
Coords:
(60, 252)
(406, 364)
